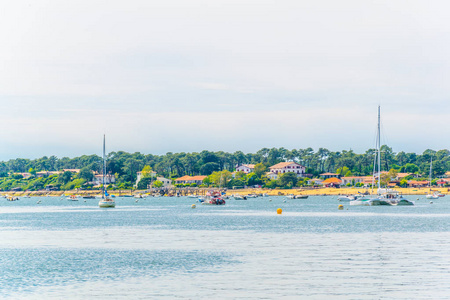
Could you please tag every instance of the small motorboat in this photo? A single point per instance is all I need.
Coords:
(72, 198)
(433, 196)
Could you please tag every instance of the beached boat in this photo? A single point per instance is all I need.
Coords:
(239, 197)
(106, 200)
(12, 198)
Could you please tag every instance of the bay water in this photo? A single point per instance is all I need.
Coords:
(162, 248)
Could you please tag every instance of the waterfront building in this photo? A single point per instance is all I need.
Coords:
(24, 175)
(272, 175)
(190, 179)
(315, 181)
(418, 183)
(139, 176)
(246, 168)
(332, 182)
(47, 173)
(286, 167)
(355, 179)
(329, 175)
(166, 182)
(74, 171)
(98, 179)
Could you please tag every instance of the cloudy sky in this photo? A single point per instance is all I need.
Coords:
(189, 75)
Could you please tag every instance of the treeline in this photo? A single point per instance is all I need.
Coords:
(172, 165)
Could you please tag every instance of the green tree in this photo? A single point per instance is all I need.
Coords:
(260, 170)
(342, 171)
(288, 180)
(146, 171)
(157, 184)
(65, 177)
(86, 174)
(144, 183)
(209, 168)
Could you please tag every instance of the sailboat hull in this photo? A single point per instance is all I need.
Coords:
(107, 203)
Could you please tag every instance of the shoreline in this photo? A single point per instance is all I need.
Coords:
(269, 192)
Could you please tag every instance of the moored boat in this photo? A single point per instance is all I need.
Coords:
(72, 198)
(106, 200)
(386, 196)
(212, 198)
(292, 196)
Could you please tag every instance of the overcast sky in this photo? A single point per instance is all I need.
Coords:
(189, 75)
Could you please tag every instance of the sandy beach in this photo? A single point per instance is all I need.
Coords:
(276, 192)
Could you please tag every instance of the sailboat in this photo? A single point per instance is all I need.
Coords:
(384, 196)
(434, 195)
(106, 200)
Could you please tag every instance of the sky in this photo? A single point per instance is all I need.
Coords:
(222, 75)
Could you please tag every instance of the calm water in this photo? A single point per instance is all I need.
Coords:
(162, 248)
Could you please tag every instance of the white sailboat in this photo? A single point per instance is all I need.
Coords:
(106, 200)
(434, 195)
(384, 196)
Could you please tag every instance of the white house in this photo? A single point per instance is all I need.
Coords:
(354, 179)
(139, 176)
(24, 175)
(272, 176)
(47, 173)
(98, 179)
(246, 168)
(75, 171)
(190, 179)
(329, 175)
(166, 182)
(286, 167)
(316, 181)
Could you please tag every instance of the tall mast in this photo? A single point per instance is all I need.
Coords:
(104, 165)
(431, 165)
(379, 150)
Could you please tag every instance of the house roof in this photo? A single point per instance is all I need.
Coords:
(72, 170)
(417, 182)
(284, 164)
(401, 175)
(199, 177)
(190, 178)
(317, 180)
(184, 178)
(332, 180)
(250, 166)
(328, 174)
(354, 177)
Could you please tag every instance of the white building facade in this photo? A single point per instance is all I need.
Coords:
(98, 179)
(288, 167)
(246, 168)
